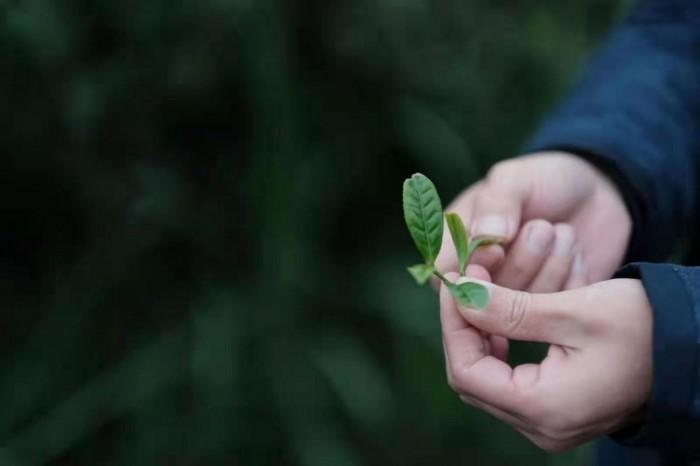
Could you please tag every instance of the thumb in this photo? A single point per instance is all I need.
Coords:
(499, 202)
(519, 315)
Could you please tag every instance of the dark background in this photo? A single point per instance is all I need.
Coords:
(202, 247)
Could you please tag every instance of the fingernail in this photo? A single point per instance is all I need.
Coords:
(564, 242)
(491, 225)
(539, 238)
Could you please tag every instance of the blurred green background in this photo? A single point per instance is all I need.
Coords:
(203, 249)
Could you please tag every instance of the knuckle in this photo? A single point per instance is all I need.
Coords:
(501, 171)
(517, 309)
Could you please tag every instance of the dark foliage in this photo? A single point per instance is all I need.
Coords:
(202, 244)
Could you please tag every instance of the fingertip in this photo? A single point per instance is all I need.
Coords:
(493, 225)
(478, 272)
(490, 257)
(526, 255)
(539, 236)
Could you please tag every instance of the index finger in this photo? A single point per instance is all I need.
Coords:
(473, 371)
(488, 257)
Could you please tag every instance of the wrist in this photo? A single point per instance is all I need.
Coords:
(675, 334)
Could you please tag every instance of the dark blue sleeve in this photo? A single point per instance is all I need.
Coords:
(672, 420)
(636, 114)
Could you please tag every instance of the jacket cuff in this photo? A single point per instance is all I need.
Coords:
(592, 142)
(675, 362)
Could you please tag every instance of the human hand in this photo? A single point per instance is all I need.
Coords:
(595, 378)
(563, 222)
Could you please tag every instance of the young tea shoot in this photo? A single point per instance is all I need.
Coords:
(424, 218)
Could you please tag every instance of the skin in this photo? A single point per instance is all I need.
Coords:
(550, 210)
(595, 378)
(551, 284)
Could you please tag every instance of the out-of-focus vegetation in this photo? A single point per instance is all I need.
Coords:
(202, 242)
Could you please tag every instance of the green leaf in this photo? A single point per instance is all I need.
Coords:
(421, 272)
(459, 238)
(476, 243)
(470, 294)
(422, 211)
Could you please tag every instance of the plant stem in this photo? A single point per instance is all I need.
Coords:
(442, 277)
